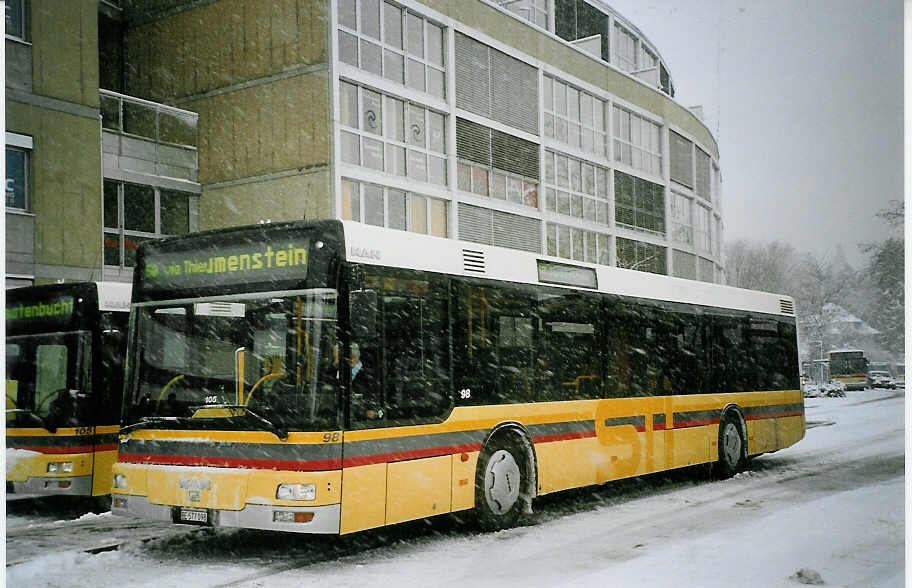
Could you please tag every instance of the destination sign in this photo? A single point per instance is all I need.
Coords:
(42, 313)
(567, 275)
(60, 308)
(218, 265)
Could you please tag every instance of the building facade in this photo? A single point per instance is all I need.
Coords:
(540, 125)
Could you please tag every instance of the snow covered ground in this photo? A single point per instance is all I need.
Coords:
(831, 505)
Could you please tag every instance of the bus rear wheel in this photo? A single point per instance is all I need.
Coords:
(499, 483)
(732, 449)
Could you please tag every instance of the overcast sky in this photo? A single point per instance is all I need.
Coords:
(805, 98)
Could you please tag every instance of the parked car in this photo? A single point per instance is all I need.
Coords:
(878, 379)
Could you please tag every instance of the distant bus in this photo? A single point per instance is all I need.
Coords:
(64, 359)
(850, 367)
(329, 377)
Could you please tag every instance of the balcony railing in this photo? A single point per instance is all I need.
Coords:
(150, 120)
(146, 137)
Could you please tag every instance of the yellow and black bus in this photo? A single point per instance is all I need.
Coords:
(850, 367)
(64, 379)
(329, 377)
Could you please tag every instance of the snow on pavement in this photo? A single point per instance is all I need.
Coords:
(833, 503)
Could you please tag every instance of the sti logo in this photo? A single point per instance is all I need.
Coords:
(152, 270)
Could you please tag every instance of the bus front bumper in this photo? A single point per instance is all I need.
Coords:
(74, 485)
(325, 519)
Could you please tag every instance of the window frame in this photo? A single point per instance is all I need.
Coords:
(20, 147)
(23, 35)
(387, 141)
(651, 159)
(430, 202)
(598, 201)
(551, 86)
(403, 52)
(123, 233)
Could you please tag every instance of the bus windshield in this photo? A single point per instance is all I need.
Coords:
(47, 381)
(211, 361)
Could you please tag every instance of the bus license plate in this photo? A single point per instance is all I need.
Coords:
(194, 516)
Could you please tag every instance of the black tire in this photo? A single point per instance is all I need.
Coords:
(101, 504)
(732, 448)
(500, 480)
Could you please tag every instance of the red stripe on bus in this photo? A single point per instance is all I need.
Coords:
(657, 427)
(695, 423)
(773, 415)
(406, 455)
(563, 436)
(50, 450)
(233, 462)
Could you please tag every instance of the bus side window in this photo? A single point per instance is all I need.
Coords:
(12, 375)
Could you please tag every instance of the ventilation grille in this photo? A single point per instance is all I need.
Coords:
(493, 84)
(473, 261)
(786, 306)
(502, 229)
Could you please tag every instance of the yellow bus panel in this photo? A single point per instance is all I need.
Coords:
(418, 488)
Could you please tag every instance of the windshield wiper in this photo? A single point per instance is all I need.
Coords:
(270, 426)
(149, 422)
(35, 415)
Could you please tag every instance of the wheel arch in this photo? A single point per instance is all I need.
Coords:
(520, 433)
(735, 412)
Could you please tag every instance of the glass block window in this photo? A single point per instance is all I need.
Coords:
(134, 213)
(381, 206)
(703, 178)
(644, 257)
(577, 244)
(624, 51)
(574, 117)
(681, 222)
(577, 188)
(703, 229)
(639, 204)
(387, 40)
(395, 136)
(637, 141)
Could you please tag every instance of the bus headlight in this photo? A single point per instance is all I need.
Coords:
(120, 481)
(296, 492)
(60, 467)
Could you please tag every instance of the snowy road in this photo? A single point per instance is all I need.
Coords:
(832, 504)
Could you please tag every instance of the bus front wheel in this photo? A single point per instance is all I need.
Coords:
(499, 483)
(732, 448)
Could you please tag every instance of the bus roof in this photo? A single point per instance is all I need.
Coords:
(372, 245)
(379, 246)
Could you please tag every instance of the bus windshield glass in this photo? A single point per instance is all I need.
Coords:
(209, 362)
(47, 381)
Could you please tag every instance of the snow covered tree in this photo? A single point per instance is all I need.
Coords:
(761, 266)
(884, 273)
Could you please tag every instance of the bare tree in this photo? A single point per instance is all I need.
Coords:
(761, 266)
